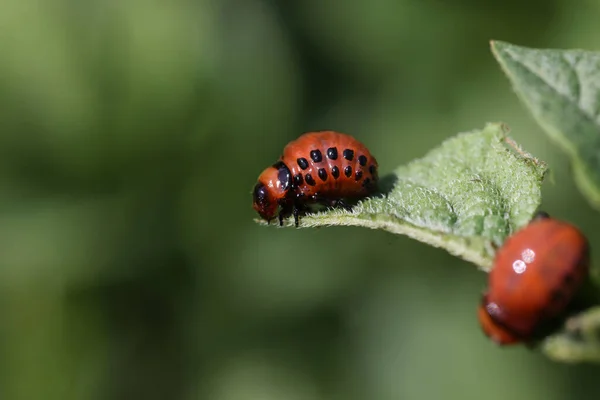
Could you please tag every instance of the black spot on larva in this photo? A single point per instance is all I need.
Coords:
(556, 296)
(316, 155)
(298, 180)
(569, 279)
(335, 172)
(349, 154)
(332, 153)
(362, 160)
(309, 179)
(366, 182)
(373, 169)
(302, 163)
(348, 171)
(322, 174)
(358, 175)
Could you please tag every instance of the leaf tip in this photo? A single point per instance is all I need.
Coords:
(503, 127)
(498, 47)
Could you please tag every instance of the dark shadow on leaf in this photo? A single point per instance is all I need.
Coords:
(387, 183)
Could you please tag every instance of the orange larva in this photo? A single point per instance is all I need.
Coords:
(319, 167)
(536, 274)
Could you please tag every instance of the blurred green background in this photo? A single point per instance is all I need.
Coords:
(132, 134)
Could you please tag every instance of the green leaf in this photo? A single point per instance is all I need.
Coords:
(466, 196)
(561, 88)
(578, 341)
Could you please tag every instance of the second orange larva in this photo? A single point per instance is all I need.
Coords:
(319, 167)
(536, 274)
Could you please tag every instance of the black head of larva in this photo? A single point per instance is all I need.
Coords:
(272, 188)
(260, 194)
(264, 201)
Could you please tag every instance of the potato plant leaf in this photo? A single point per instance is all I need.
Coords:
(578, 341)
(561, 88)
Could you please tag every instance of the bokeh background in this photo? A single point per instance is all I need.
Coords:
(132, 133)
